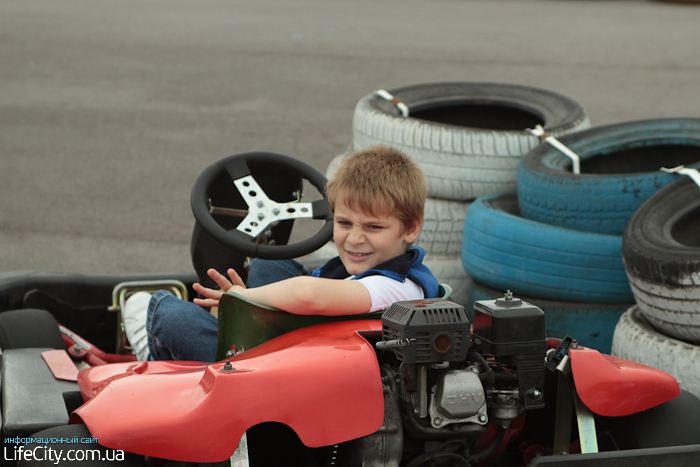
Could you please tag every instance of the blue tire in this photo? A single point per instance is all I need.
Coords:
(506, 252)
(619, 171)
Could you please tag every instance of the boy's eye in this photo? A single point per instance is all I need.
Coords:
(375, 227)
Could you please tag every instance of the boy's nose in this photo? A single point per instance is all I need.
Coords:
(356, 236)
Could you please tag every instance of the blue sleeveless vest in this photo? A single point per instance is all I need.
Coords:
(409, 265)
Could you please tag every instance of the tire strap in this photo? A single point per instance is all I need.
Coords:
(541, 134)
(386, 95)
(681, 169)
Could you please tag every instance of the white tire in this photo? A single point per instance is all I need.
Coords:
(442, 231)
(467, 137)
(334, 164)
(670, 309)
(634, 339)
(448, 270)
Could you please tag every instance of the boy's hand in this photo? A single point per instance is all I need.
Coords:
(213, 295)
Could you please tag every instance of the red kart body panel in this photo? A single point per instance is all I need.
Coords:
(323, 381)
(614, 387)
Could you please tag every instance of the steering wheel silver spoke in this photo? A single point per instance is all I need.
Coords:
(263, 211)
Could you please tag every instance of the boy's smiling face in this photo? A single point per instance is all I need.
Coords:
(365, 240)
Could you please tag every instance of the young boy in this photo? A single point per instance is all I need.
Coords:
(377, 197)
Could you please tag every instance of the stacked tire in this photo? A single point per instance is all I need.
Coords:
(469, 139)
(661, 252)
(561, 239)
(621, 170)
(576, 278)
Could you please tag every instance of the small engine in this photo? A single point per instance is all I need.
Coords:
(449, 382)
(427, 336)
(513, 332)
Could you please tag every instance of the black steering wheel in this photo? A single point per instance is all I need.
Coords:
(261, 212)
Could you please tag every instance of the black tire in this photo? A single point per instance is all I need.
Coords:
(467, 137)
(507, 252)
(661, 251)
(29, 328)
(591, 324)
(636, 340)
(619, 171)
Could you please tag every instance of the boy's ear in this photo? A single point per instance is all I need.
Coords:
(411, 233)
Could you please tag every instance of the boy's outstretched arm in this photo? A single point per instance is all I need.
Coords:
(303, 295)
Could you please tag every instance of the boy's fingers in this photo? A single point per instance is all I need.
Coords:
(235, 278)
(220, 279)
(208, 303)
(207, 292)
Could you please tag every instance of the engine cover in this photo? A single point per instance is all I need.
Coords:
(459, 394)
(431, 331)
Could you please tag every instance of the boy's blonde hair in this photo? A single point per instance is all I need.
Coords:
(380, 180)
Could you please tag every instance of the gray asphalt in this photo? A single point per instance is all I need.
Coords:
(109, 110)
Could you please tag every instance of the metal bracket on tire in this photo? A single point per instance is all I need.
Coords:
(683, 170)
(386, 95)
(541, 134)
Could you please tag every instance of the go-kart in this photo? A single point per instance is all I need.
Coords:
(425, 382)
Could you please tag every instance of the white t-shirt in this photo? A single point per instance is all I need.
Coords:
(384, 291)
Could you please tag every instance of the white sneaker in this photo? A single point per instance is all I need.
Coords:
(134, 316)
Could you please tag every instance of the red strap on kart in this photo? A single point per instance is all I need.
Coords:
(60, 364)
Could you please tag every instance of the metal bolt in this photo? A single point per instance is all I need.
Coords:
(77, 348)
(275, 211)
(482, 418)
(537, 393)
(261, 216)
(227, 366)
(260, 204)
(438, 421)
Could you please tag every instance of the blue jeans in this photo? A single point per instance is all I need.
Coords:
(179, 330)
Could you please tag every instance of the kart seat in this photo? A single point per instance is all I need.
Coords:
(243, 324)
